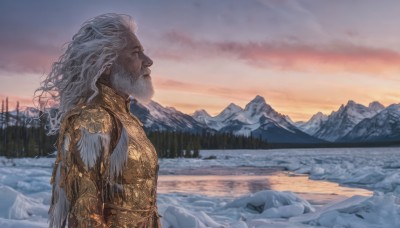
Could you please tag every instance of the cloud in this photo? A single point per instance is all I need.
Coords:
(284, 101)
(162, 83)
(288, 55)
(298, 103)
(32, 35)
(12, 101)
(27, 50)
(30, 60)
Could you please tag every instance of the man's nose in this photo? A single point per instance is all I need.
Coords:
(147, 62)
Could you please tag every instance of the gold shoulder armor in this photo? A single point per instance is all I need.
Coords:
(94, 120)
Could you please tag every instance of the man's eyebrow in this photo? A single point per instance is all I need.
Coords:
(138, 48)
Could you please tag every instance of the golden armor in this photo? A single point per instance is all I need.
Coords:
(106, 168)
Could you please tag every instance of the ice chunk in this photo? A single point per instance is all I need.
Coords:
(284, 211)
(179, 217)
(6, 223)
(273, 204)
(380, 210)
(15, 205)
(389, 183)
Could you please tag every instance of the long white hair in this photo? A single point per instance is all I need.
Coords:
(72, 80)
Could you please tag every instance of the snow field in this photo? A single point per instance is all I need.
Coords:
(25, 191)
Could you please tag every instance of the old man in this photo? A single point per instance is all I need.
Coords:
(105, 173)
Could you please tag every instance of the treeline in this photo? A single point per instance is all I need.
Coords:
(175, 144)
(21, 136)
(183, 144)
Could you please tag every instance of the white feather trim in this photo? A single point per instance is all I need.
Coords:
(119, 156)
(58, 212)
(65, 147)
(90, 146)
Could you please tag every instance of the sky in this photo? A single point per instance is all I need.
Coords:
(302, 56)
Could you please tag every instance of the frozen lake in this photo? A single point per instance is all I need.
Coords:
(239, 181)
(242, 188)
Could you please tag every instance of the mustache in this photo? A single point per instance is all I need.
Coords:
(145, 72)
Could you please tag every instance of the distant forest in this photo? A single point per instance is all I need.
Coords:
(183, 144)
(22, 135)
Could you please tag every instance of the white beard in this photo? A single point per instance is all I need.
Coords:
(140, 89)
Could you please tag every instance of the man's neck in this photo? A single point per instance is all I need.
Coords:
(108, 84)
(112, 99)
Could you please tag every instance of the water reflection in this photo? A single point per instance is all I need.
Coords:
(215, 185)
(233, 182)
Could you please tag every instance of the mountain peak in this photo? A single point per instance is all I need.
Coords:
(257, 105)
(201, 112)
(229, 110)
(376, 106)
(318, 115)
(258, 99)
(233, 107)
(351, 103)
(353, 106)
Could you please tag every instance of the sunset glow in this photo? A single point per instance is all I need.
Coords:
(302, 56)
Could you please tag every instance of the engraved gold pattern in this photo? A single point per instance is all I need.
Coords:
(130, 199)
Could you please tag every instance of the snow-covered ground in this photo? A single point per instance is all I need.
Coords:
(25, 190)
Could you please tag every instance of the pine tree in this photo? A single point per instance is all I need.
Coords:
(180, 139)
(2, 115)
(196, 148)
(24, 136)
(17, 132)
(2, 129)
(6, 131)
(174, 145)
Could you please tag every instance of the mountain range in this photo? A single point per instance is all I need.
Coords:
(339, 123)
(384, 126)
(352, 122)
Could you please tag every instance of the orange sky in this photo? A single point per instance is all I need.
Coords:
(301, 56)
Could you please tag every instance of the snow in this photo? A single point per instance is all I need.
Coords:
(219, 121)
(255, 113)
(341, 122)
(380, 210)
(25, 190)
(314, 124)
(383, 126)
(376, 106)
(273, 204)
(228, 112)
(15, 205)
(201, 116)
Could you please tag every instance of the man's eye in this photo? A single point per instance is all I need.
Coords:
(135, 53)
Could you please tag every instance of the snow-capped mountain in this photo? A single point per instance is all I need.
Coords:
(248, 116)
(201, 116)
(350, 123)
(314, 124)
(158, 118)
(375, 106)
(228, 112)
(257, 118)
(384, 126)
(218, 121)
(254, 112)
(342, 121)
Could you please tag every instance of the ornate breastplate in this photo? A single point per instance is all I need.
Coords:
(133, 201)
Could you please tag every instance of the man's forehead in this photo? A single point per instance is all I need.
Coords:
(135, 43)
